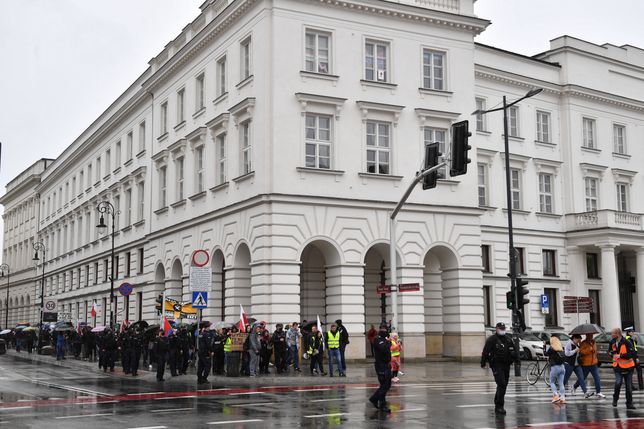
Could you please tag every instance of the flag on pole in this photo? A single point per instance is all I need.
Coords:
(320, 329)
(166, 326)
(93, 312)
(78, 328)
(243, 321)
(124, 325)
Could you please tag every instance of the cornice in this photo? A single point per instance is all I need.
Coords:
(516, 80)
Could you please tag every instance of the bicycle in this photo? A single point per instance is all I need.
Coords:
(534, 371)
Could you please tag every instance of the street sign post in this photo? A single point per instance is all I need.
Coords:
(545, 304)
(383, 289)
(577, 304)
(125, 289)
(199, 300)
(200, 272)
(50, 306)
(409, 287)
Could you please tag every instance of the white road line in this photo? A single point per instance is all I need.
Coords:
(624, 418)
(536, 425)
(330, 400)
(409, 410)
(15, 408)
(150, 427)
(246, 393)
(474, 405)
(106, 402)
(144, 393)
(232, 422)
(310, 390)
(253, 404)
(175, 397)
(170, 410)
(83, 415)
(317, 416)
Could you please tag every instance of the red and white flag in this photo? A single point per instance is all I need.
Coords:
(124, 325)
(167, 328)
(93, 312)
(243, 321)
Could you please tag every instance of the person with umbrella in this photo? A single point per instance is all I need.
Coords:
(571, 350)
(630, 336)
(623, 363)
(588, 357)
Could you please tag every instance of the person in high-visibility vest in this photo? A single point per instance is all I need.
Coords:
(333, 346)
(623, 364)
(396, 348)
(632, 337)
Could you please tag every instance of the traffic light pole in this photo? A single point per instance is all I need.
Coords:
(392, 241)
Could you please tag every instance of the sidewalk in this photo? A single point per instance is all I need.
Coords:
(434, 372)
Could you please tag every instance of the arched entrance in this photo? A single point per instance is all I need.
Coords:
(174, 285)
(217, 297)
(238, 285)
(315, 298)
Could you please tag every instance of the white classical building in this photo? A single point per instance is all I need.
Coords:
(278, 135)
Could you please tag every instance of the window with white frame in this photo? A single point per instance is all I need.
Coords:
(128, 207)
(592, 193)
(81, 183)
(480, 118)
(545, 192)
(433, 70)
(178, 165)
(163, 186)
(588, 129)
(378, 147)
(220, 143)
(200, 90)
(246, 148)
(515, 181)
(543, 126)
(317, 49)
(74, 187)
(163, 122)
(376, 61)
(108, 161)
(128, 148)
(89, 176)
(436, 135)
(96, 178)
(140, 194)
(117, 154)
(622, 197)
(199, 172)
(246, 53)
(482, 184)
(142, 136)
(619, 139)
(221, 76)
(117, 210)
(181, 96)
(513, 121)
(318, 141)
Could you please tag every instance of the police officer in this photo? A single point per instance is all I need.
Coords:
(133, 348)
(382, 354)
(123, 342)
(630, 336)
(109, 350)
(279, 345)
(217, 345)
(160, 353)
(499, 352)
(184, 351)
(173, 357)
(204, 355)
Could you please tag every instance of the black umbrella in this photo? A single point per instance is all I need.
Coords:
(151, 331)
(586, 328)
(139, 326)
(308, 325)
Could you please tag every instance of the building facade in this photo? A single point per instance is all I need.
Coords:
(278, 135)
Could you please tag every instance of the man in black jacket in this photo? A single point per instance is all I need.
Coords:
(344, 341)
(382, 354)
(279, 345)
(160, 352)
(217, 345)
(499, 352)
(204, 354)
(184, 351)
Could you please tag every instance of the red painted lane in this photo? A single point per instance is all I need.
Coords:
(150, 396)
(637, 423)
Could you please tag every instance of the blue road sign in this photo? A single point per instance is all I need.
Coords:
(125, 289)
(545, 304)
(199, 299)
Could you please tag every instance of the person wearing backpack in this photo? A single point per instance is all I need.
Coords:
(499, 352)
(556, 357)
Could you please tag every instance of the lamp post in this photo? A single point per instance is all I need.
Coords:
(517, 297)
(4, 268)
(103, 208)
(39, 246)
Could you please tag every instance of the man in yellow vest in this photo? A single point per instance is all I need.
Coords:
(333, 346)
(632, 337)
(623, 364)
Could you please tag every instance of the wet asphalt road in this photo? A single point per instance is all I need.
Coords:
(43, 395)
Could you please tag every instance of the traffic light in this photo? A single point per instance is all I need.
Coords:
(460, 148)
(159, 303)
(522, 292)
(431, 159)
(509, 300)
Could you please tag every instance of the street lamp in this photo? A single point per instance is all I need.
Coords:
(514, 290)
(39, 246)
(105, 207)
(4, 268)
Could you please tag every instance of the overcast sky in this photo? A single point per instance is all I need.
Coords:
(64, 61)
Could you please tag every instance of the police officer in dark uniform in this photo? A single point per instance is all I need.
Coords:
(184, 351)
(382, 354)
(279, 346)
(109, 350)
(217, 345)
(499, 352)
(133, 349)
(630, 336)
(173, 345)
(204, 355)
(160, 353)
(123, 342)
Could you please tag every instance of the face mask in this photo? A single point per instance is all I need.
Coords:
(501, 333)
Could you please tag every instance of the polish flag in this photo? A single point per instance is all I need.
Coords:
(124, 325)
(243, 321)
(93, 312)
(166, 326)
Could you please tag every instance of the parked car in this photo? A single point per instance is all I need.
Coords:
(531, 346)
(546, 334)
(602, 347)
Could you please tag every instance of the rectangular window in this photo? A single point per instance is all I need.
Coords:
(594, 314)
(480, 118)
(117, 264)
(128, 207)
(178, 165)
(163, 190)
(105, 273)
(87, 275)
(485, 258)
(549, 262)
(128, 148)
(487, 305)
(142, 136)
(117, 207)
(97, 178)
(318, 45)
(163, 123)
(622, 197)
(246, 64)
(139, 306)
(513, 121)
(318, 141)
(588, 129)
(200, 92)
(482, 179)
(108, 161)
(140, 192)
(619, 139)
(520, 260)
(199, 182)
(590, 185)
(117, 154)
(220, 143)
(436, 135)
(543, 126)
(378, 147)
(95, 273)
(515, 178)
(221, 76)
(592, 265)
(376, 61)
(128, 262)
(140, 261)
(545, 193)
(246, 148)
(81, 183)
(181, 105)
(433, 70)
(552, 318)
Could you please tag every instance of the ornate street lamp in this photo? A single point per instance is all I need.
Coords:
(4, 270)
(39, 246)
(105, 207)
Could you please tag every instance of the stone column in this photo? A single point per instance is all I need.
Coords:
(411, 313)
(275, 296)
(238, 291)
(215, 303)
(577, 275)
(610, 307)
(639, 314)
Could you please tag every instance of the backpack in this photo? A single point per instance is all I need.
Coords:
(557, 358)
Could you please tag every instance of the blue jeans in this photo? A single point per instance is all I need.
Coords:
(558, 372)
(335, 353)
(293, 356)
(578, 372)
(594, 371)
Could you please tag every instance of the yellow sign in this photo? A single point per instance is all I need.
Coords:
(173, 309)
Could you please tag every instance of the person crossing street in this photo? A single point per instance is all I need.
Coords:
(382, 364)
(631, 336)
(499, 352)
(623, 363)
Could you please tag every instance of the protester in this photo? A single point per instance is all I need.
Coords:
(254, 349)
(630, 336)
(344, 342)
(623, 363)
(293, 336)
(204, 355)
(279, 346)
(499, 352)
(396, 349)
(184, 351)
(133, 348)
(60, 346)
(266, 351)
(371, 336)
(589, 361)
(217, 346)
(382, 362)
(316, 351)
(571, 350)
(161, 354)
(173, 353)
(333, 347)
(556, 357)
(109, 350)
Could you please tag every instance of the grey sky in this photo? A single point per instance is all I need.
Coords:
(64, 61)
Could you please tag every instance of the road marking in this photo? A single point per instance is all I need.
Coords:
(169, 410)
(624, 418)
(536, 425)
(231, 422)
(144, 393)
(310, 390)
(150, 427)
(317, 416)
(83, 415)
(252, 404)
(474, 405)
(246, 393)
(175, 397)
(15, 408)
(331, 399)
(409, 410)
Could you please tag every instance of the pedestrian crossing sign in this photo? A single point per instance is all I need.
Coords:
(199, 299)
